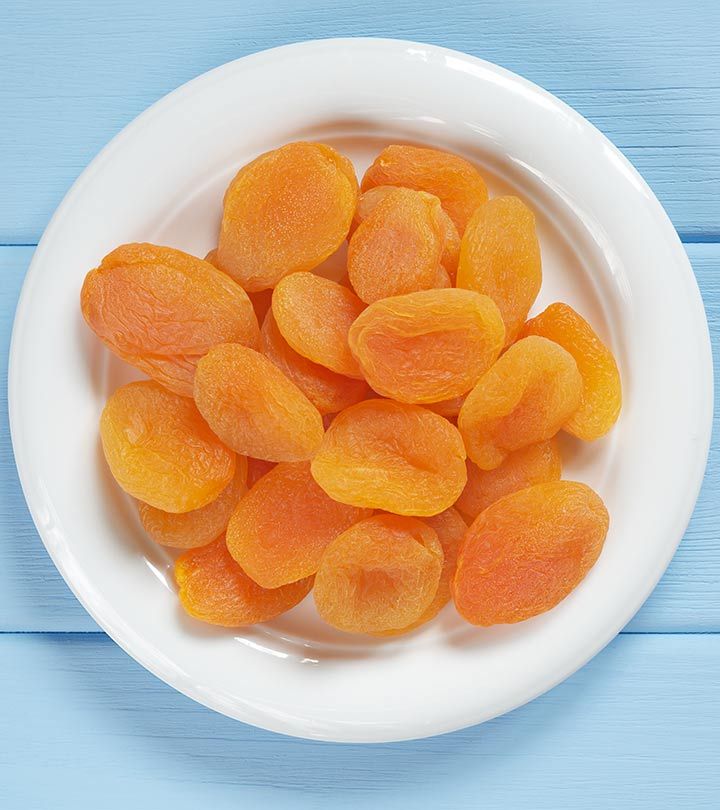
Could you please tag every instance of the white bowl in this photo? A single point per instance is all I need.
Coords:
(608, 249)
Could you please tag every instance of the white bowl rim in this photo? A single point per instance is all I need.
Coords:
(693, 477)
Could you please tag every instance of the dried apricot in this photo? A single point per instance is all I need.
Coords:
(253, 407)
(314, 315)
(450, 529)
(535, 464)
(427, 346)
(602, 391)
(524, 398)
(381, 574)
(201, 526)
(397, 248)
(449, 408)
(281, 527)
(450, 237)
(214, 589)
(175, 372)
(285, 211)
(160, 450)
(149, 300)
(500, 257)
(329, 392)
(261, 300)
(526, 552)
(455, 181)
(442, 279)
(387, 455)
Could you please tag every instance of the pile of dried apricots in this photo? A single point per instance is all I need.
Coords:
(386, 440)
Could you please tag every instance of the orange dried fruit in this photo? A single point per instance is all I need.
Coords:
(442, 279)
(146, 300)
(449, 408)
(397, 248)
(500, 257)
(201, 526)
(427, 346)
(535, 464)
(450, 529)
(526, 552)
(388, 455)
(281, 527)
(253, 407)
(175, 372)
(450, 238)
(286, 211)
(602, 391)
(314, 315)
(261, 300)
(329, 392)
(524, 398)
(455, 181)
(161, 451)
(214, 589)
(380, 574)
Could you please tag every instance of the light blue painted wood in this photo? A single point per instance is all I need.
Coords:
(74, 73)
(34, 597)
(81, 724)
(637, 728)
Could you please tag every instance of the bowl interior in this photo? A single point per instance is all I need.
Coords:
(574, 270)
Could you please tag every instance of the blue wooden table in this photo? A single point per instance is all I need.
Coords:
(81, 724)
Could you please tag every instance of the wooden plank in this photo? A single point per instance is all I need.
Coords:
(73, 75)
(638, 726)
(34, 597)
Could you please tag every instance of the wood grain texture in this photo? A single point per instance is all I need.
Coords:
(637, 727)
(75, 73)
(33, 596)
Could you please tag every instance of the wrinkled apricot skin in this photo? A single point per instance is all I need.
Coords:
(397, 248)
(452, 179)
(442, 279)
(427, 346)
(379, 575)
(174, 372)
(524, 398)
(160, 450)
(450, 529)
(525, 553)
(282, 526)
(146, 300)
(387, 455)
(201, 526)
(450, 238)
(284, 212)
(329, 392)
(214, 589)
(449, 408)
(500, 257)
(602, 391)
(535, 464)
(260, 300)
(253, 407)
(314, 315)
